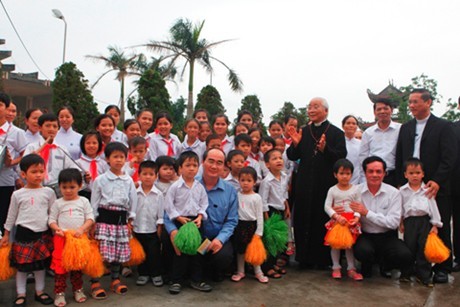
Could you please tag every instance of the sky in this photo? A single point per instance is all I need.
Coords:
(282, 50)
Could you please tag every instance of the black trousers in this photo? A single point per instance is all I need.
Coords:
(219, 262)
(416, 230)
(5, 198)
(444, 233)
(391, 178)
(456, 219)
(383, 248)
(151, 245)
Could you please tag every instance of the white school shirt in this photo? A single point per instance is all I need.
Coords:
(233, 181)
(70, 214)
(163, 186)
(254, 164)
(197, 147)
(57, 161)
(227, 144)
(16, 142)
(160, 148)
(419, 128)
(384, 207)
(182, 200)
(416, 203)
(113, 190)
(339, 198)
(33, 138)
(288, 166)
(381, 143)
(85, 162)
(29, 208)
(70, 140)
(150, 210)
(119, 136)
(353, 146)
(250, 208)
(274, 192)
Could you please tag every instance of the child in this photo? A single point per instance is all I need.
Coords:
(220, 127)
(205, 131)
(105, 125)
(201, 115)
(165, 143)
(243, 142)
(256, 136)
(114, 202)
(191, 141)
(266, 143)
(145, 119)
(289, 121)
(31, 121)
(240, 128)
(250, 221)
(273, 190)
(71, 212)
(275, 129)
(186, 201)
(131, 129)
(66, 136)
(137, 154)
(235, 162)
(114, 112)
(148, 224)
(90, 160)
(213, 141)
(32, 242)
(280, 144)
(342, 195)
(167, 173)
(421, 217)
(246, 118)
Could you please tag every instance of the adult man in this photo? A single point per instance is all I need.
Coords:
(380, 217)
(318, 145)
(222, 214)
(455, 182)
(380, 140)
(433, 141)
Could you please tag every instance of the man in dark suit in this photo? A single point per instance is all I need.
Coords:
(433, 141)
(455, 184)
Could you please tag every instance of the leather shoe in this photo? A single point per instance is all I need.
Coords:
(456, 267)
(441, 277)
(384, 272)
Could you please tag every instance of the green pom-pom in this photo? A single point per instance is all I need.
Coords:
(188, 239)
(275, 234)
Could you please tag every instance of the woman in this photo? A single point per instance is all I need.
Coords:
(66, 136)
(350, 126)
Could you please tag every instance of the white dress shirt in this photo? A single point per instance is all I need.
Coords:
(33, 138)
(182, 200)
(197, 147)
(150, 210)
(159, 147)
(419, 128)
(233, 181)
(274, 192)
(16, 142)
(416, 203)
(85, 163)
(70, 140)
(353, 146)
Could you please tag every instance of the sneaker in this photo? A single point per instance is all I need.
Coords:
(201, 286)
(175, 288)
(354, 275)
(336, 274)
(157, 281)
(142, 280)
(126, 271)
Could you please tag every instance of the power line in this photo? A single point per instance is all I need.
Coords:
(20, 39)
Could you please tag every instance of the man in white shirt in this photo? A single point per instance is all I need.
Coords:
(380, 216)
(380, 140)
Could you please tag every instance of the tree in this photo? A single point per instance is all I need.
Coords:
(177, 112)
(185, 42)
(123, 65)
(209, 99)
(289, 109)
(251, 103)
(70, 88)
(152, 94)
(452, 114)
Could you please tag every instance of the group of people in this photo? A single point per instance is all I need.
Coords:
(144, 182)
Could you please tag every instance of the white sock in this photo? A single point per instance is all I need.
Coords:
(350, 259)
(39, 280)
(335, 255)
(21, 282)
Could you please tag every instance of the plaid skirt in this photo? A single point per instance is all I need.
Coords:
(113, 242)
(31, 250)
(243, 234)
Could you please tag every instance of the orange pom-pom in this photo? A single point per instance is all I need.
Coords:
(95, 266)
(339, 237)
(435, 250)
(76, 252)
(137, 252)
(6, 271)
(255, 252)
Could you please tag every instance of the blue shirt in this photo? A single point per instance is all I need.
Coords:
(222, 212)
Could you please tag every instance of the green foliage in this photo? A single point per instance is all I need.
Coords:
(209, 99)
(152, 94)
(177, 112)
(70, 88)
(251, 103)
(452, 114)
(289, 109)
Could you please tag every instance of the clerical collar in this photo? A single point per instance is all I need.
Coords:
(423, 121)
(319, 124)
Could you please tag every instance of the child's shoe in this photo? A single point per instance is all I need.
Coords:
(262, 278)
(157, 281)
(117, 287)
(290, 249)
(59, 300)
(355, 275)
(238, 276)
(79, 296)
(336, 274)
(175, 288)
(142, 280)
(126, 271)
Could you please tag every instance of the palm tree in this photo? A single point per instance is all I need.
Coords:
(123, 65)
(185, 42)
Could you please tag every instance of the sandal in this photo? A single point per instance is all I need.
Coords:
(79, 296)
(290, 249)
(59, 300)
(281, 262)
(272, 273)
(262, 278)
(117, 287)
(97, 292)
(355, 275)
(279, 270)
(336, 274)
(43, 299)
(238, 276)
(20, 304)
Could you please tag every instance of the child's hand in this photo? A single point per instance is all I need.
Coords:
(8, 160)
(59, 232)
(19, 184)
(172, 235)
(287, 212)
(197, 221)
(130, 226)
(354, 221)
(87, 177)
(159, 231)
(183, 220)
(266, 216)
(434, 230)
(78, 233)
(4, 240)
(341, 220)
(92, 230)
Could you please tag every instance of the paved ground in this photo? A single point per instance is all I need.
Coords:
(297, 288)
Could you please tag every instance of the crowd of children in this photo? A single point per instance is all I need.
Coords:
(116, 185)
